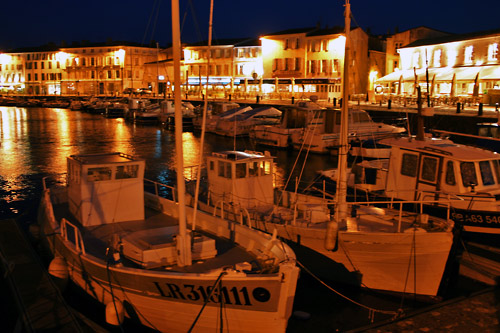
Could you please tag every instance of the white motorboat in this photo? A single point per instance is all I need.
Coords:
(317, 129)
(242, 123)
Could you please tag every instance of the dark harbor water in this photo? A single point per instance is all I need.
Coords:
(36, 141)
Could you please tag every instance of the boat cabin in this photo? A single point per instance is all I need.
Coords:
(244, 178)
(325, 119)
(433, 169)
(105, 188)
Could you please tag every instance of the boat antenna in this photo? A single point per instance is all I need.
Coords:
(183, 242)
(204, 118)
(341, 194)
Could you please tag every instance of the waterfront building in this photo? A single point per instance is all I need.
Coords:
(12, 69)
(104, 69)
(462, 67)
(235, 68)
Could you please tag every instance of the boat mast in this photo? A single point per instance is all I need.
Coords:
(183, 242)
(341, 194)
(204, 117)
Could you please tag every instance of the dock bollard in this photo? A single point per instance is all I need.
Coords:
(389, 103)
(458, 107)
(480, 111)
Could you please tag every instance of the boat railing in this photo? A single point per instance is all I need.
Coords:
(72, 234)
(392, 202)
(160, 190)
(243, 212)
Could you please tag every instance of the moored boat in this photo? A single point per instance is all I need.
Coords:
(465, 177)
(120, 244)
(387, 249)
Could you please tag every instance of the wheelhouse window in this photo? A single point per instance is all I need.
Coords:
(241, 170)
(468, 173)
(267, 168)
(450, 174)
(486, 173)
(98, 174)
(253, 169)
(496, 168)
(409, 165)
(126, 171)
(429, 169)
(224, 169)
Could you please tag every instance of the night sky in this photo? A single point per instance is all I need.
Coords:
(29, 23)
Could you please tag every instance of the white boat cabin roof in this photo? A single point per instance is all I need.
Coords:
(443, 147)
(105, 158)
(241, 155)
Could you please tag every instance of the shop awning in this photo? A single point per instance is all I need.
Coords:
(445, 74)
(490, 73)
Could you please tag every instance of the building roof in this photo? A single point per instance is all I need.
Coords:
(293, 31)
(455, 38)
(228, 42)
(326, 31)
(52, 47)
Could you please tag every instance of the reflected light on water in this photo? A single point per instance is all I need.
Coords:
(14, 162)
(191, 151)
(65, 137)
(122, 137)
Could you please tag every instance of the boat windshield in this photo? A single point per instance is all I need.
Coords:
(488, 170)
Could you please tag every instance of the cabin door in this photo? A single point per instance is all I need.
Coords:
(428, 177)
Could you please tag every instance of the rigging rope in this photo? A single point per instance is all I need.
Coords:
(371, 311)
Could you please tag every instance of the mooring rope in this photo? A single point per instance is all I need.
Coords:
(207, 300)
(371, 311)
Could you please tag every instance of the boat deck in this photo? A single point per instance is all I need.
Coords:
(99, 239)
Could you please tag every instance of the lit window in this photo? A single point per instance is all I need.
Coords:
(468, 54)
(493, 52)
(437, 58)
(416, 60)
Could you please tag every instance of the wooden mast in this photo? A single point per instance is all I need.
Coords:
(183, 241)
(341, 194)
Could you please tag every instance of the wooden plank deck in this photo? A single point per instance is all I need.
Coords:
(40, 304)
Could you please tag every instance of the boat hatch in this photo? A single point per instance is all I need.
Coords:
(154, 248)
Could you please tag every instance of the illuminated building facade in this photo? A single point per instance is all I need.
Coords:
(104, 70)
(235, 68)
(12, 71)
(465, 65)
(310, 61)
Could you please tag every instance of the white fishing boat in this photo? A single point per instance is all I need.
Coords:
(389, 249)
(132, 250)
(374, 243)
(465, 177)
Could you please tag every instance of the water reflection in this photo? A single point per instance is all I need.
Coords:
(35, 143)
